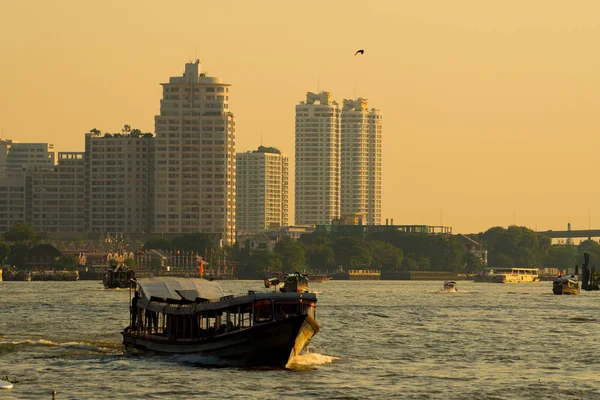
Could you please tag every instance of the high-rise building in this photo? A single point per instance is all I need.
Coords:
(262, 190)
(317, 198)
(119, 183)
(195, 157)
(12, 202)
(55, 196)
(22, 156)
(4, 148)
(361, 161)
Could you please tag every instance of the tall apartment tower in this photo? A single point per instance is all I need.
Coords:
(361, 161)
(56, 196)
(262, 190)
(119, 183)
(317, 196)
(195, 157)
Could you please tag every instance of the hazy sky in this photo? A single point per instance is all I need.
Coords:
(491, 108)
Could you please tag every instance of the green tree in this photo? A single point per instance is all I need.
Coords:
(157, 243)
(562, 256)
(69, 261)
(385, 257)
(473, 264)
(504, 261)
(320, 257)
(291, 254)
(352, 253)
(20, 232)
(258, 263)
(196, 242)
(130, 262)
(156, 264)
(126, 129)
(4, 252)
(17, 254)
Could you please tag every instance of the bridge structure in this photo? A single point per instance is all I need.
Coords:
(569, 234)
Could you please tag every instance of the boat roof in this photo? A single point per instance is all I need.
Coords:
(511, 268)
(172, 288)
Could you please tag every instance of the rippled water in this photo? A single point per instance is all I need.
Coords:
(378, 340)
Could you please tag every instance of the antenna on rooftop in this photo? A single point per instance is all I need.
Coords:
(261, 138)
(354, 91)
(318, 84)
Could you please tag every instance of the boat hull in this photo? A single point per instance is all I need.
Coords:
(269, 344)
(506, 279)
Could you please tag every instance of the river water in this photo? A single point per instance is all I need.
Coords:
(378, 340)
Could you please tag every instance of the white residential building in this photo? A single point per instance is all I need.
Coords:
(195, 157)
(317, 197)
(262, 190)
(361, 161)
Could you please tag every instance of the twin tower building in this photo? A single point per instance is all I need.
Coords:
(188, 178)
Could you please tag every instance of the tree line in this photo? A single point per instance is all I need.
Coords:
(391, 251)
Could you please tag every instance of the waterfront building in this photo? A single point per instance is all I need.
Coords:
(119, 182)
(195, 157)
(56, 196)
(317, 197)
(262, 190)
(360, 182)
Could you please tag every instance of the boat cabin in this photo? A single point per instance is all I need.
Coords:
(195, 309)
(511, 271)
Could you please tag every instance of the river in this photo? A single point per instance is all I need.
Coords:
(378, 340)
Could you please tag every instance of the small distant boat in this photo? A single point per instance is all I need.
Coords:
(5, 384)
(449, 286)
(118, 277)
(295, 282)
(566, 285)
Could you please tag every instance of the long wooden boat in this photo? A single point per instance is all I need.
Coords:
(193, 316)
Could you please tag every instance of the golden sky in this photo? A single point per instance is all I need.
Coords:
(491, 108)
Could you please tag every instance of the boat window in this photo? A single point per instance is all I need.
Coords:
(286, 309)
(263, 311)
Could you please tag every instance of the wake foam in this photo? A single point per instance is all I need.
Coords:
(311, 359)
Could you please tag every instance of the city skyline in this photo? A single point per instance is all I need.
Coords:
(483, 103)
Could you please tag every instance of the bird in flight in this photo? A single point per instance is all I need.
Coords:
(361, 51)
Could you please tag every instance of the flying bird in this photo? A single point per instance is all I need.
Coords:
(361, 51)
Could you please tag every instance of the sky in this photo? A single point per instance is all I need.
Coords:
(491, 108)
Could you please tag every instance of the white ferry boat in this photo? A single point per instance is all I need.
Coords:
(508, 275)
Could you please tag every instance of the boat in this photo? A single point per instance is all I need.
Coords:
(566, 285)
(192, 316)
(508, 275)
(449, 286)
(118, 276)
(54, 275)
(13, 274)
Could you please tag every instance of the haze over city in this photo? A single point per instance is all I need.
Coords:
(490, 110)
